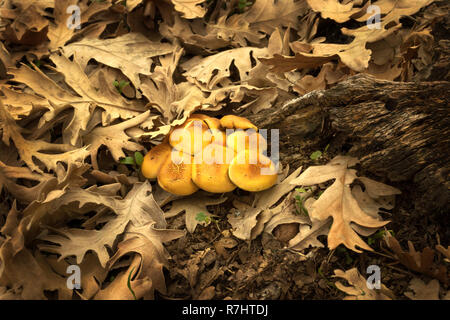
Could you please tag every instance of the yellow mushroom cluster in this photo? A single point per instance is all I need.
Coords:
(213, 155)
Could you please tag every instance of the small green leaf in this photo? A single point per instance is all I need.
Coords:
(139, 158)
(201, 216)
(120, 85)
(127, 160)
(326, 148)
(316, 155)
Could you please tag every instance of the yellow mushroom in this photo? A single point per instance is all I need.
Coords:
(252, 171)
(249, 139)
(213, 123)
(211, 173)
(191, 137)
(154, 159)
(232, 121)
(176, 177)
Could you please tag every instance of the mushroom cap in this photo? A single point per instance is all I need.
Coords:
(232, 121)
(177, 178)
(191, 137)
(213, 123)
(154, 159)
(211, 174)
(249, 139)
(219, 137)
(252, 177)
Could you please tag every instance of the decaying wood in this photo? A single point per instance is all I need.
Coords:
(399, 130)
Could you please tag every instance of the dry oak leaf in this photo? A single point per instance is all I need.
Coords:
(192, 206)
(118, 288)
(46, 182)
(263, 17)
(190, 9)
(28, 149)
(169, 98)
(131, 53)
(422, 291)
(335, 10)
(215, 69)
(58, 32)
(338, 202)
(32, 273)
(114, 138)
(354, 54)
(92, 273)
(358, 289)
(88, 96)
(249, 222)
(417, 261)
(28, 15)
(137, 210)
(151, 257)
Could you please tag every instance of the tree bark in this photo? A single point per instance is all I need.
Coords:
(400, 131)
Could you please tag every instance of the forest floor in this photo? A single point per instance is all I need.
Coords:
(78, 104)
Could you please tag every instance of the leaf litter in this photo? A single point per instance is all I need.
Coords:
(66, 199)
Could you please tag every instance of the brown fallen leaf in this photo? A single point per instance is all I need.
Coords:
(247, 224)
(137, 209)
(88, 97)
(28, 149)
(192, 206)
(419, 261)
(131, 53)
(338, 202)
(58, 32)
(422, 291)
(358, 289)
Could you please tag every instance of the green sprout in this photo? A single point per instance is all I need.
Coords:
(300, 201)
(344, 251)
(318, 154)
(120, 85)
(242, 4)
(133, 161)
(129, 283)
(378, 235)
(207, 219)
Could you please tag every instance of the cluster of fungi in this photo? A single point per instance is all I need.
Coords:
(211, 154)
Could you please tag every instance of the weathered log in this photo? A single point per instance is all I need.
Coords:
(400, 131)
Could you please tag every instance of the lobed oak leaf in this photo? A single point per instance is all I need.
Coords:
(418, 261)
(190, 9)
(423, 291)
(28, 149)
(358, 289)
(115, 138)
(59, 32)
(137, 210)
(192, 206)
(338, 202)
(131, 53)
